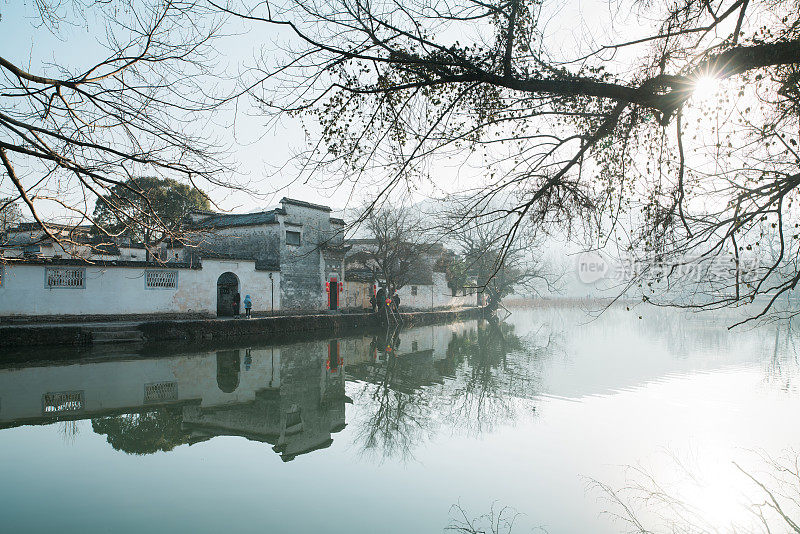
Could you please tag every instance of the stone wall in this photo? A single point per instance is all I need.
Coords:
(202, 331)
(258, 242)
(303, 283)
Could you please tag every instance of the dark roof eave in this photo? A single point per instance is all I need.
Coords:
(79, 262)
(304, 204)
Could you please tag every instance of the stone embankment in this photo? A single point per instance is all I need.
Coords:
(200, 330)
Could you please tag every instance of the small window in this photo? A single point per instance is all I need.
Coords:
(292, 238)
(161, 279)
(413, 290)
(66, 277)
(414, 346)
(160, 392)
(64, 401)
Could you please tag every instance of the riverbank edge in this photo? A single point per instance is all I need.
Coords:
(202, 330)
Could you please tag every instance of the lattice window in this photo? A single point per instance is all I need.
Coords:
(67, 277)
(161, 279)
(62, 402)
(414, 290)
(160, 391)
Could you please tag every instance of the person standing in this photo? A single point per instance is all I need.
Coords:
(236, 302)
(248, 304)
(380, 297)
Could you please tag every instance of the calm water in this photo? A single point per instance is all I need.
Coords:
(386, 433)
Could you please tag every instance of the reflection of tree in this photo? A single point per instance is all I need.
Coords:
(144, 433)
(784, 365)
(496, 369)
(398, 408)
(478, 384)
(69, 430)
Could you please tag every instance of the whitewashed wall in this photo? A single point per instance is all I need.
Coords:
(121, 290)
(438, 295)
(356, 295)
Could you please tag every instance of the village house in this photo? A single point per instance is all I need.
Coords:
(299, 238)
(427, 286)
(288, 258)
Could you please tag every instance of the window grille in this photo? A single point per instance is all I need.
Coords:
(61, 402)
(161, 279)
(413, 290)
(160, 391)
(292, 238)
(68, 277)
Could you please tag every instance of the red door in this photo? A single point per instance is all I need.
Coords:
(333, 294)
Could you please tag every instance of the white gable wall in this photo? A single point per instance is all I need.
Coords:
(121, 290)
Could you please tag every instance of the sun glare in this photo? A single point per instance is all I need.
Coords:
(705, 88)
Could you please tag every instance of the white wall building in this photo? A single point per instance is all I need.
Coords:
(72, 287)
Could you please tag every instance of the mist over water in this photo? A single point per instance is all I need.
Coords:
(388, 430)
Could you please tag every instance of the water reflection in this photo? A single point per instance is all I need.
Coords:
(290, 396)
(473, 412)
(467, 379)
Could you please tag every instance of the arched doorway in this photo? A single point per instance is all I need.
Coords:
(227, 294)
(228, 369)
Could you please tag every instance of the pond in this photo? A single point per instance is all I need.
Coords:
(555, 419)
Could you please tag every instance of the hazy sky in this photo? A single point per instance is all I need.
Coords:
(262, 155)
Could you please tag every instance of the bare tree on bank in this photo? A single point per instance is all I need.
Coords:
(494, 266)
(602, 131)
(394, 246)
(70, 134)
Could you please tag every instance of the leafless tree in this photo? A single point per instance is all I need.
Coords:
(499, 520)
(648, 505)
(608, 128)
(72, 134)
(394, 248)
(486, 261)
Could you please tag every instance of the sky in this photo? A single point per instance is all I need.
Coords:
(262, 155)
(257, 152)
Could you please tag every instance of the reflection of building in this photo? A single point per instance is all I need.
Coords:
(421, 352)
(289, 396)
(297, 417)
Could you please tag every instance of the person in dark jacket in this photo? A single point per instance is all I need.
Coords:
(380, 297)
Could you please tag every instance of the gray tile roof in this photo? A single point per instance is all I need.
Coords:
(224, 220)
(304, 204)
